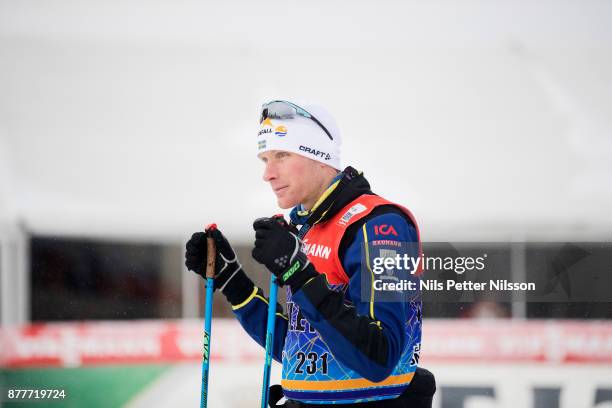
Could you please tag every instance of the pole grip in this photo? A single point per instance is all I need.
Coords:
(210, 257)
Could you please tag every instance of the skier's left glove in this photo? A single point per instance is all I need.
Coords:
(280, 250)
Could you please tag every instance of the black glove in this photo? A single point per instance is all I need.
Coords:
(226, 261)
(280, 250)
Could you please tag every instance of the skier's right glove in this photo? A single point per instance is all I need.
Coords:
(280, 250)
(229, 276)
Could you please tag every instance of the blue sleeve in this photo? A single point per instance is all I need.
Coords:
(253, 317)
(368, 336)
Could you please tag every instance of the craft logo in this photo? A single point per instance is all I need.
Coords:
(280, 131)
(315, 152)
(261, 144)
(291, 270)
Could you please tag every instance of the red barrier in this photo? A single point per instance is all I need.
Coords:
(444, 341)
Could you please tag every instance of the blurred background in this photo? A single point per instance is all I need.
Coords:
(125, 126)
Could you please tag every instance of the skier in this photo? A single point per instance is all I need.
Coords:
(340, 341)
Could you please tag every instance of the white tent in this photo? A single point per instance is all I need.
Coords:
(491, 120)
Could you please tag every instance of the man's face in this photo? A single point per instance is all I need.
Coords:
(294, 179)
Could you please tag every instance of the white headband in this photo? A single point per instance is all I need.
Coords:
(303, 136)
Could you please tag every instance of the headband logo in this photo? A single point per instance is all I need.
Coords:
(280, 131)
(315, 152)
(264, 131)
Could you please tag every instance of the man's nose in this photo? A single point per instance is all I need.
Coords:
(270, 172)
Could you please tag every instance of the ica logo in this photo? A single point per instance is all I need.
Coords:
(384, 229)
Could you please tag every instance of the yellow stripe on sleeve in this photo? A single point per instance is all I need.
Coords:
(251, 296)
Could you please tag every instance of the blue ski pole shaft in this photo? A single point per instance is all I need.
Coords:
(206, 350)
(210, 285)
(269, 341)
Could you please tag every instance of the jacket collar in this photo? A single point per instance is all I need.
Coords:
(344, 188)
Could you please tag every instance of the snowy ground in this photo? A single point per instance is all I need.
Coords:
(234, 385)
(231, 385)
(238, 386)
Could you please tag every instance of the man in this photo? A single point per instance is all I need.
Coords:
(339, 342)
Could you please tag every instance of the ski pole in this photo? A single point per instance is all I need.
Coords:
(210, 283)
(269, 341)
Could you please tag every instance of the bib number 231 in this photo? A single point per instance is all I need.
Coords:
(311, 361)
